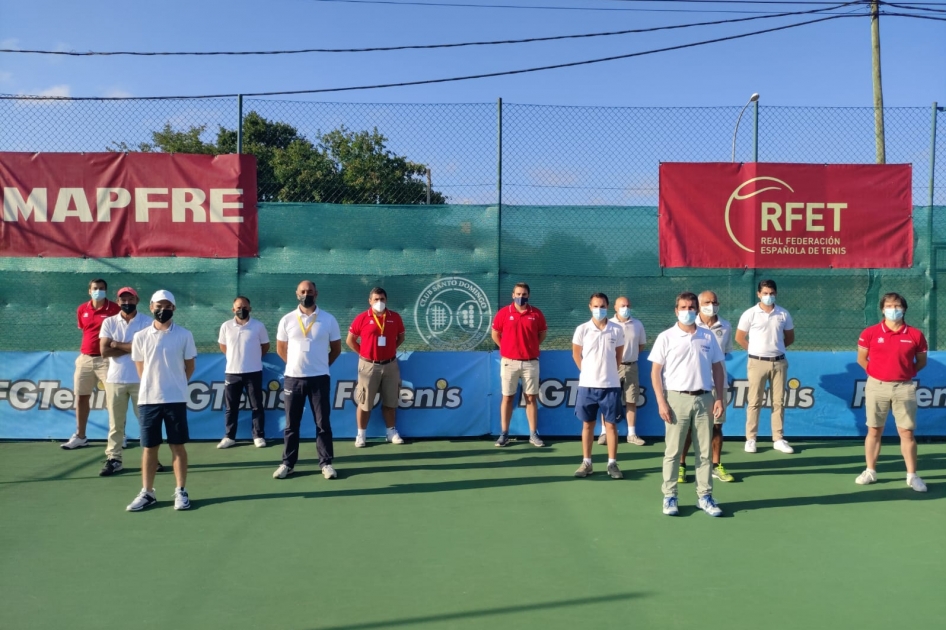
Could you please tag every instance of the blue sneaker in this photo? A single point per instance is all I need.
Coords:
(503, 440)
(708, 505)
(670, 506)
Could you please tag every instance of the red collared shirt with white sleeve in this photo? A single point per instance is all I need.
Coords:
(378, 334)
(519, 332)
(891, 354)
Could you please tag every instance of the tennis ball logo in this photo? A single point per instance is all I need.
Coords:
(452, 313)
(741, 194)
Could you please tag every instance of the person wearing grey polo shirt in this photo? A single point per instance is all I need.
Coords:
(245, 342)
(635, 340)
(122, 381)
(308, 340)
(164, 355)
(687, 369)
(765, 331)
(722, 331)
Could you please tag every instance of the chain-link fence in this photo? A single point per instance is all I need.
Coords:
(563, 198)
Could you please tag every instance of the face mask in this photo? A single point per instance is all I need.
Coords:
(378, 307)
(624, 312)
(163, 315)
(599, 313)
(768, 300)
(893, 314)
(709, 310)
(242, 313)
(520, 301)
(686, 317)
(308, 301)
(128, 309)
(98, 295)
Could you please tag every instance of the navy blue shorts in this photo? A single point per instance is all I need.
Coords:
(604, 400)
(172, 416)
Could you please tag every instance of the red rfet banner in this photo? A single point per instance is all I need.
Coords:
(110, 205)
(764, 215)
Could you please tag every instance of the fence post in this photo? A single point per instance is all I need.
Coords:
(429, 184)
(931, 268)
(755, 132)
(239, 123)
(499, 197)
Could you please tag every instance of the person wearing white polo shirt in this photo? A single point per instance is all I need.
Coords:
(635, 340)
(122, 381)
(245, 342)
(765, 331)
(722, 331)
(308, 340)
(687, 368)
(597, 348)
(164, 356)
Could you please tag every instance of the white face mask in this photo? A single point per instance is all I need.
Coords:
(768, 300)
(624, 312)
(709, 310)
(378, 306)
(686, 317)
(599, 313)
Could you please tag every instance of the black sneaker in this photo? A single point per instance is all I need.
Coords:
(111, 467)
(503, 439)
(160, 467)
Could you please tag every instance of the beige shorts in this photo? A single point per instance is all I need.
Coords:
(511, 370)
(881, 397)
(90, 373)
(373, 377)
(630, 382)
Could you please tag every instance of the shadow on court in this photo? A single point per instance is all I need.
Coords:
(485, 612)
(876, 493)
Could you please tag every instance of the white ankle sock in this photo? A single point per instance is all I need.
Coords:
(362, 432)
(586, 460)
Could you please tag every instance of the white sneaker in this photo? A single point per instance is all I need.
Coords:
(917, 484)
(783, 446)
(394, 437)
(143, 500)
(708, 505)
(328, 472)
(750, 446)
(866, 478)
(181, 500)
(359, 441)
(74, 442)
(259, 442)
(603, 439)
(226, 443)
(282, 472)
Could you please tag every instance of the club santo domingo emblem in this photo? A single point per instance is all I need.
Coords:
(452, 314)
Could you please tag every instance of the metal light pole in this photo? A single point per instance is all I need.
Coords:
(752, 99)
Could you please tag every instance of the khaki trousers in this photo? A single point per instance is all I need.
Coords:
(117, 397)
(758, 373)
(690, 415)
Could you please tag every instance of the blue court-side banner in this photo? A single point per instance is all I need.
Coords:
(453, 394)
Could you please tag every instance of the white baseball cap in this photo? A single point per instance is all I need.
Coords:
(163, 295)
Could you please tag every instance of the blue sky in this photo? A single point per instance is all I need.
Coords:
(824, 64)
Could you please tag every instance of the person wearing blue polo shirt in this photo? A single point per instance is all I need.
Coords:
(597, 348)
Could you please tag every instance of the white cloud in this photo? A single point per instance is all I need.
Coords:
(117, 93)
(55, 90)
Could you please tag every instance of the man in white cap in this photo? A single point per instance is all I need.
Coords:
(164, 357)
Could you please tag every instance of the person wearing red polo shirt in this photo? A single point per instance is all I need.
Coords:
(91, 366)
(376, 335)
(519, 329)
(891, 353)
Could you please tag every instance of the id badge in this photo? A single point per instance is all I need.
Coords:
(305, 345)
(382, 342)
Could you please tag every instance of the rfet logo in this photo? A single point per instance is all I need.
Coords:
(785, 215)
(786, 226)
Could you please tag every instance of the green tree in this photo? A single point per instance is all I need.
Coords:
(342, 166)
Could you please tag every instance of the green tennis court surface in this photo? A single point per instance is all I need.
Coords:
(459, 534)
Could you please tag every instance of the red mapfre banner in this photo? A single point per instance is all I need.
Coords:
(111, 205)
(786, 215)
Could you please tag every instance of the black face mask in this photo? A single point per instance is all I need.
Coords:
(163, 315)
(307, 301)
(242, 313)
(128, 309)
